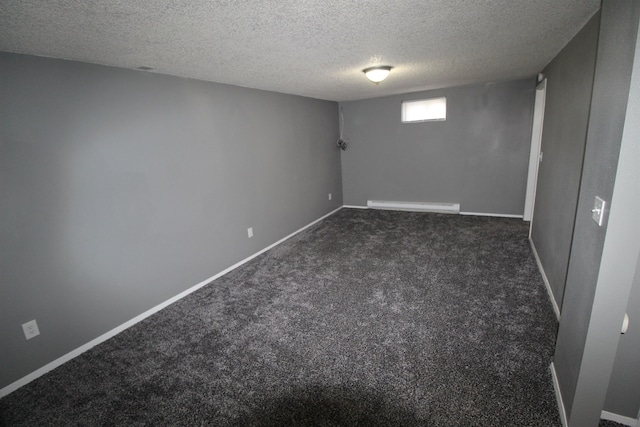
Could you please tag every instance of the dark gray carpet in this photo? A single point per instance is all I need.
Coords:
(369, 318)
(607, 423)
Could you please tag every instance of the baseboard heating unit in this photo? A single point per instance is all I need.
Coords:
(453, 208)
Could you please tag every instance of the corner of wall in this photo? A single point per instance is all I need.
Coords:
(547, 285)
(556, 388)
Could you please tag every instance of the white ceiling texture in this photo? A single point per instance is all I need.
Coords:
(314, 48)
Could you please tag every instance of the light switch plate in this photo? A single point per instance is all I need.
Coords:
(597, 213)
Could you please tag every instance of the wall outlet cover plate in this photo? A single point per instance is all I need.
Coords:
(30, 329)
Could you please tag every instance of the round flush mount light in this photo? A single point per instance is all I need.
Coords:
(377, 74)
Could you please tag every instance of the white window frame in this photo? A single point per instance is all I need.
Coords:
(431, 108)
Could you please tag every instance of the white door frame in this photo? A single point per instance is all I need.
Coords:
(535, 155)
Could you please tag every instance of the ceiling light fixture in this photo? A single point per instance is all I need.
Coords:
(377, 74)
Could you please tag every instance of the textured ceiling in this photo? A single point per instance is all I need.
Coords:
(314, 48)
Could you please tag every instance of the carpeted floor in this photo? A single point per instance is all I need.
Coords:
(607, 423)
(369, 318)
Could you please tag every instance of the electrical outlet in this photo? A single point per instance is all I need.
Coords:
(250, 232)
(30, 329)
(329, 196)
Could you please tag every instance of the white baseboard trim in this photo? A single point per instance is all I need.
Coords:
(115, 331)
(492, 214)
(619, 418)
(556, 388)
(556, 309)
(354, 207)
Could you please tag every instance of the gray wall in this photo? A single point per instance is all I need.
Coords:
(590, 323)
(478, 157)
(568, 100)
(120, 189)
(623, 395)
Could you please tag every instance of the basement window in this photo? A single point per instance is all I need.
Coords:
(424, 110)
